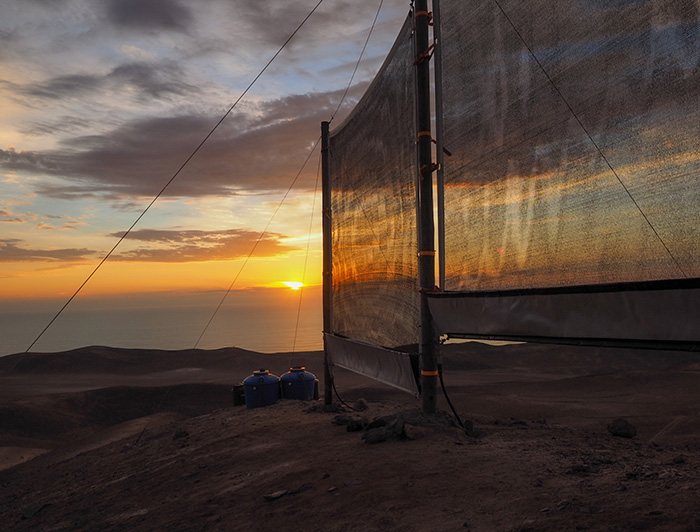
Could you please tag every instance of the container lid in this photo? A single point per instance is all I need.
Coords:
(298, 373)
(261, 376)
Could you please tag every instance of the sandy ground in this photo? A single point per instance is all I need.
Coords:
(106, 439)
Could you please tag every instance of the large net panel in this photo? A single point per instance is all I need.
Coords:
(573, 129)
(373, 199)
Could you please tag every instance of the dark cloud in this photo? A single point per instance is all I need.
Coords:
(69, 192)
(22, 160)
(25, 160)
(261, 149)
(64, 124)
(49, 4)
(195, 246)
(7, 37)
(148, 80)
(10, 251)
(168, 15)
(152, 81)
(614, 4)
(273, 21)
(64, 86)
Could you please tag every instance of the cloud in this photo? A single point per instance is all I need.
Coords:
(197, 246)
(64, 86)
(152, 81)
(49, 4)
(7, 39)
(162, 246)
(137, 53)
(35, 219)
(11, 252)
(614, 4)
(272, 21)
(148, 80)
(64, 227)
(9, 217)
(64, 124)
(261, 148)
(161, 15)
(141, 116)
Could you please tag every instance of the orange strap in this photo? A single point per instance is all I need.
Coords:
(426, 253)
(427, 54)
(429, 373)
(422, 14)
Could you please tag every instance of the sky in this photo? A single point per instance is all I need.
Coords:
(100, 104)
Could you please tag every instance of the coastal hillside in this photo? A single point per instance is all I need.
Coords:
(155, 443)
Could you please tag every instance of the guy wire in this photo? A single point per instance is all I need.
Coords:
(362, 53)
(182, 166)
(264, 231)
(306, 262)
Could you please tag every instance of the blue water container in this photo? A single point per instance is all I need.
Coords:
(261, 389)
(298, 383)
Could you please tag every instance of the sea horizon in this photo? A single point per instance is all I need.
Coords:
(263, 320)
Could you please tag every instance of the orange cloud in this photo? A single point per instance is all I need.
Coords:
(197, 246)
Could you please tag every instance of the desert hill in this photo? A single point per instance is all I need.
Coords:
(110, 439)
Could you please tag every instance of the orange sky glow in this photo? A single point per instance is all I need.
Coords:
(32, 280)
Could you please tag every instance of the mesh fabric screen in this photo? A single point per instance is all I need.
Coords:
(372, 159)
(530, 201)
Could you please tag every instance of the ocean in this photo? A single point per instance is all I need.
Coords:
(263, 320)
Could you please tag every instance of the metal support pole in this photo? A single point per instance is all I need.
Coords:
(440, 154)
(327, 258)
(426, 245)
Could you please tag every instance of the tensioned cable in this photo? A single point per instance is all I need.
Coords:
(216, 126)
(342, 99)
(264, 231)
(357, 65)
(590, 137)
(221, 302)
(306, 259)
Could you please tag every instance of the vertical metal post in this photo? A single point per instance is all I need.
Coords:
(437, 58)
(426, 244)
(327, 257)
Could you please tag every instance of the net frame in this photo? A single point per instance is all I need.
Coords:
(374, 234)
(674, 285)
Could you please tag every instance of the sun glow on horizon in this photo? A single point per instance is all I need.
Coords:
(294, 285)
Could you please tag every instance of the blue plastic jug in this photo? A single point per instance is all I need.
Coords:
(261, 389)
(298, 383)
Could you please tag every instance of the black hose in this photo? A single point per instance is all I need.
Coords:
(340, 398)
(447, 397)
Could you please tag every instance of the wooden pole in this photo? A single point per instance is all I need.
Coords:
(327, 258)
(426, 244)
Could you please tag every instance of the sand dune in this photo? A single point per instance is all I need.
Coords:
(109, 439)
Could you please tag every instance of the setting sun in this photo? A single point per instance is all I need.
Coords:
(294, 285)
